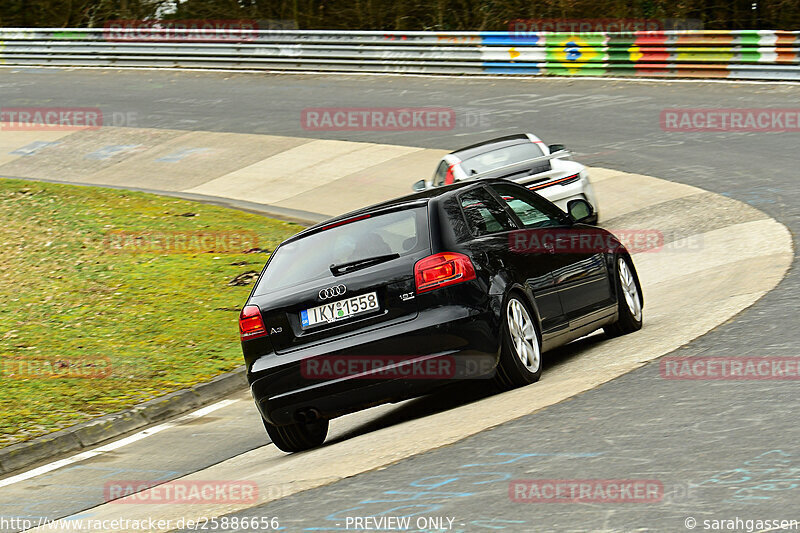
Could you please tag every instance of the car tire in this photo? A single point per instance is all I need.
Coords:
(521, 350)
(629, 299)
(298, 436)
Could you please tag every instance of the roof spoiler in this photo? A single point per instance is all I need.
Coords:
(526, 162)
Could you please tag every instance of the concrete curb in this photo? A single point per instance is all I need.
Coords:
(104, 428)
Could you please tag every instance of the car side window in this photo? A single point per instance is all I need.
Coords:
(484, 214)
(534, 212)
(439, 175)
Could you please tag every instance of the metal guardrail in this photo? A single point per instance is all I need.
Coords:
(757, 54)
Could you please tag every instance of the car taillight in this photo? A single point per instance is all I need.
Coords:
(450, 177)
(441, 270)
(250, 323)
(562, 181)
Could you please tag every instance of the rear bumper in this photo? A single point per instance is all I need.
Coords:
(577, 190)
(403, 361)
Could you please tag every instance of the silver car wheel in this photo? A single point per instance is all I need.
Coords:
(523, 335)
(630, 290)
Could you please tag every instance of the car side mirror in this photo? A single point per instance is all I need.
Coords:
(581, 211)
(419, 186)
(556, 148)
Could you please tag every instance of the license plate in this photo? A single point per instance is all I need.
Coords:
(339, 310)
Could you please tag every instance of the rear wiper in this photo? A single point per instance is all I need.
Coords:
(338, 270)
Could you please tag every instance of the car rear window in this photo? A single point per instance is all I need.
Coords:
(501, 157)
(310, 258)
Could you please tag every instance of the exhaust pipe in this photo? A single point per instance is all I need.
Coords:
(306, 416)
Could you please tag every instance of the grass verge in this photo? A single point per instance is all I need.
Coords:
(93, 321)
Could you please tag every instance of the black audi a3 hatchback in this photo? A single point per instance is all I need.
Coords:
(473, 280)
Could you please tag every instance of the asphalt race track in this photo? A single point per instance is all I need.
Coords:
(722, 449)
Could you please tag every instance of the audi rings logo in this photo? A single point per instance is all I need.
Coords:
(332, 292)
